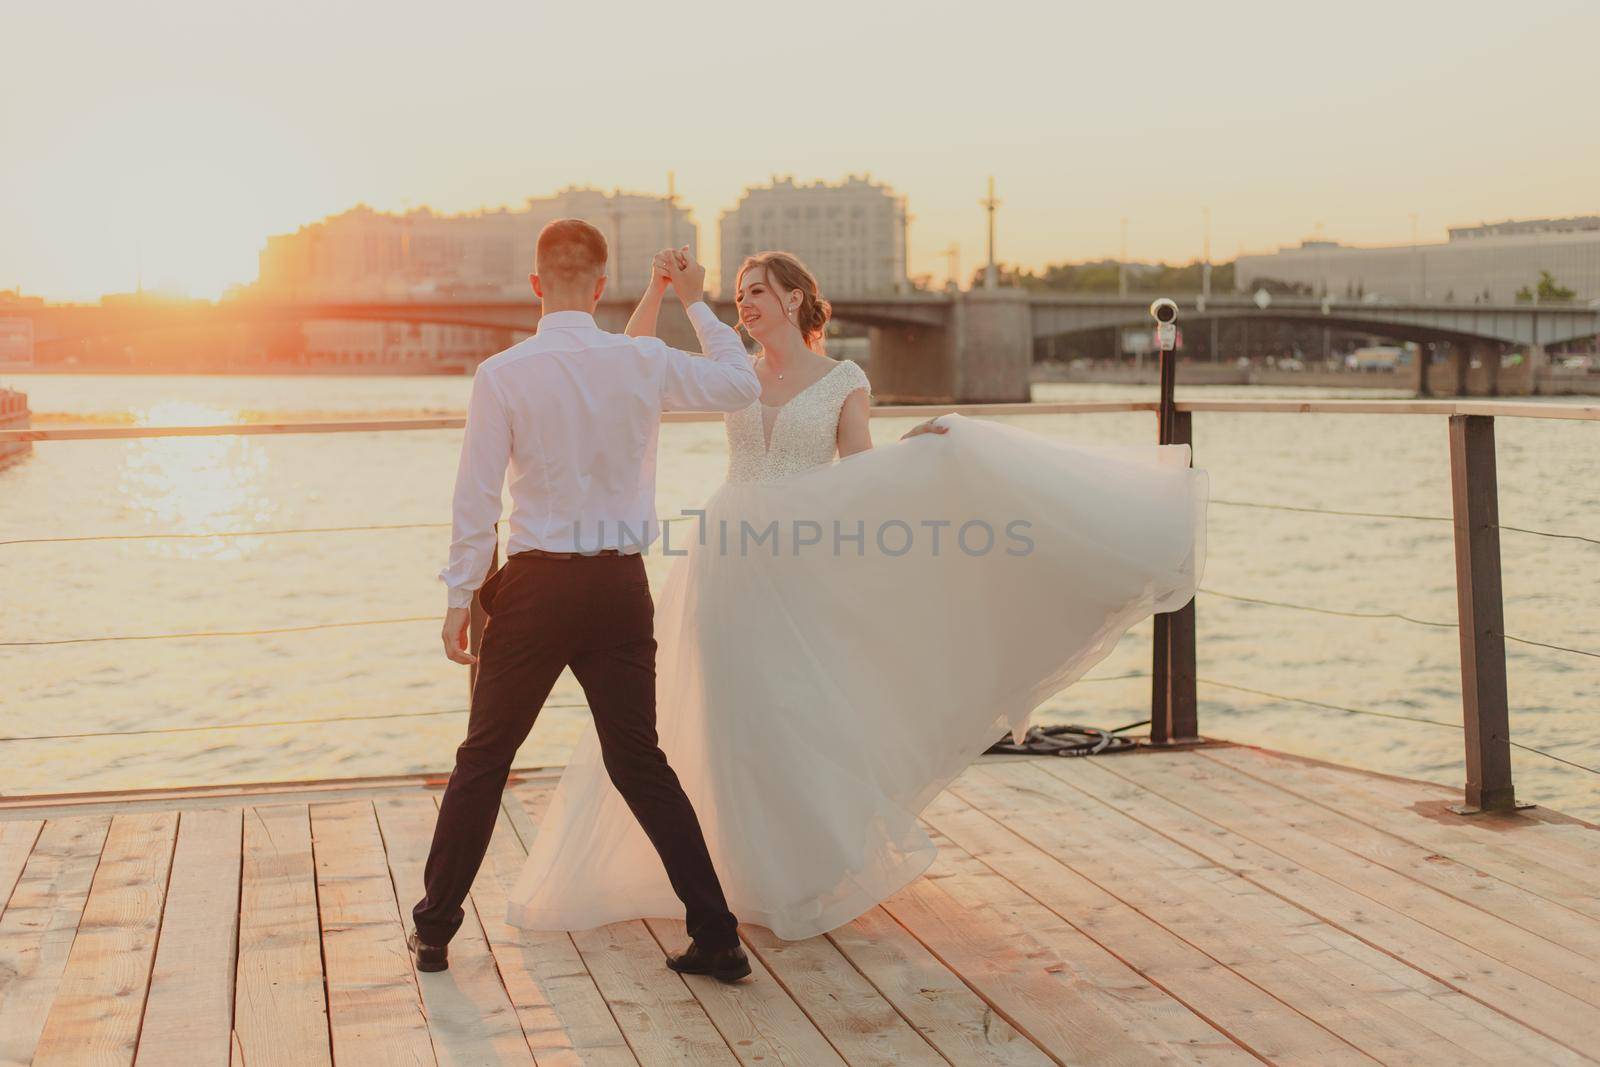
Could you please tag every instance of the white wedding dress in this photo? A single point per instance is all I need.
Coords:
(816, 692)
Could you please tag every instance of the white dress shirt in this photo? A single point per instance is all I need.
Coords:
(576, 413)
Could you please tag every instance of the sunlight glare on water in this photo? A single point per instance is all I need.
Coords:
(195, 484)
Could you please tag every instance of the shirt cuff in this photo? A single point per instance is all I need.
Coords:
(701, 315)
(460, 597)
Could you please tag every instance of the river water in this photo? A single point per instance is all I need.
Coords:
(202, 710)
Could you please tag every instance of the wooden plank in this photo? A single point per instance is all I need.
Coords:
(191, 797)
(230, 429)
(1453, 943)
(280, 1007)
(561, 1011)
(470, 1017)
(1500, 916)
(1377, 1003)
(189, 1012)
(374, 1009)
(100, 1001)
(1518, 848)
(1581, 412)
(930, 996)
(1246, 1013)
(652, 1006)
(1064, 992)
(532, 800)
(663, 1021)
(38, 927)
(16, 843)
(103, 433)
(856, 1019)
(756, 1017)
(1517, 906)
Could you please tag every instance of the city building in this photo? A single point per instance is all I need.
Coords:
(1487, 263)
(852, 235)
(363, 254)
(367, 254)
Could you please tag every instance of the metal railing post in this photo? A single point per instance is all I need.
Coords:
(1480, 613)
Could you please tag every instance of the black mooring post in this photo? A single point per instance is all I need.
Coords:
(1173, 703)
(1480, 614)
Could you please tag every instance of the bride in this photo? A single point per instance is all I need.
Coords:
(841, 638)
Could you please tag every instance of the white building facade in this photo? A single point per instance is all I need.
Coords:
(852, 235)
(1482, 264)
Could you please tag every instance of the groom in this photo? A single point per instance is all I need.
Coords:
(575, 412)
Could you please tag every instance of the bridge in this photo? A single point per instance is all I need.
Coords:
(974, 346)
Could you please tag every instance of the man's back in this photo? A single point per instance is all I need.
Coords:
(574, 412)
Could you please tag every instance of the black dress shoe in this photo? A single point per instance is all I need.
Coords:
(428, 957)
(723, 964)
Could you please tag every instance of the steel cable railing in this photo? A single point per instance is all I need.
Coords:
(255, 725)
(429, 618)
(1386, 715)
(1391, 515)
(432, 424)
(357, 719)
(1394, 615)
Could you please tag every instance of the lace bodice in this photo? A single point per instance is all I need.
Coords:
(804, 431)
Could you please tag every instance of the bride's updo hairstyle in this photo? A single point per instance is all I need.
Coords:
(785, 274)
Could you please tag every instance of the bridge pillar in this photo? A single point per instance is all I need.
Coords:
(982, 354)
(911, 364)
(1538, 360)
(1424, 366)
(1463, 360)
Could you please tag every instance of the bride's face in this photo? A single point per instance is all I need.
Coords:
(762, 311)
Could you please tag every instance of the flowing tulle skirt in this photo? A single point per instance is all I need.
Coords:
(846, 641)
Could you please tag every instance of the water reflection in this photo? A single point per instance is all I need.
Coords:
(195, 484)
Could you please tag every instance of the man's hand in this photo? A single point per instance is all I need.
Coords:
(455, 636)
(688, 277)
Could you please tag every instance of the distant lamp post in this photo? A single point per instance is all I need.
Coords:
(1418, 286)
(990, 278)
(1122, 261)
(952, 260)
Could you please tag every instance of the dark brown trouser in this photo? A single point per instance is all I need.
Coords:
(594, 614)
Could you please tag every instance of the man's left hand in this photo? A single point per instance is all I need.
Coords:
(456, 621)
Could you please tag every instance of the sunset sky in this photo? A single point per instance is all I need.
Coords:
(180, 133)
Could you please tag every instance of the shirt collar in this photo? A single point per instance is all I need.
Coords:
(566, 320)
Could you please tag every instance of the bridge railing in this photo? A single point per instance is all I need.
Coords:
(1174, 702)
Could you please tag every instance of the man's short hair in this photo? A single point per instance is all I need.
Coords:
(570, 250)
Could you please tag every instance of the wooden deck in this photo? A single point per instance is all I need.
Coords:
(1218, 905)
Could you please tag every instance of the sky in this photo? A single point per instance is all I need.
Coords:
(165, 140)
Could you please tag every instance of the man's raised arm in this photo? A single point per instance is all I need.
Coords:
(722, 379)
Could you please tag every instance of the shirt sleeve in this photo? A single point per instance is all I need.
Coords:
(720, 380)
(480, 480)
